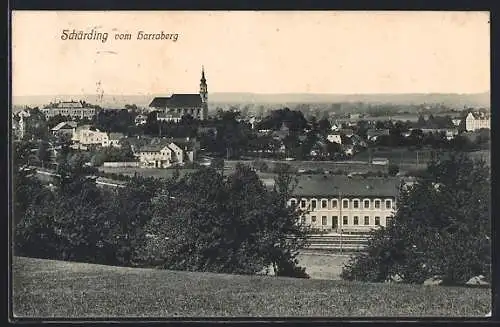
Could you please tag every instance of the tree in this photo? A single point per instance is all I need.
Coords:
(206, 223)
(441, 227)
(43, 153)
(393, 169)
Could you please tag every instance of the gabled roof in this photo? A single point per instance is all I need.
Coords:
(377, 132)
(64, 124)
(331, 185)
(177, 101)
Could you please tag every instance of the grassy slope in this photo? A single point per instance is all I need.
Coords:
(44, 288)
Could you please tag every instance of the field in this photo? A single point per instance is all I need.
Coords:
(46, 288)
(406, 159)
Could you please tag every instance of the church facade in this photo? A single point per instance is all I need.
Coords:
(174, 107)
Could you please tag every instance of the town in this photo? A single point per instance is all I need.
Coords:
(350, 176)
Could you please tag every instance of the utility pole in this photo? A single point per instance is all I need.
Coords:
(418, 166)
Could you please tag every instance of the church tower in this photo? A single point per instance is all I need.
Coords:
(204, 94)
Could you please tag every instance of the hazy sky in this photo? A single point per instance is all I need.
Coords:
(261, 52)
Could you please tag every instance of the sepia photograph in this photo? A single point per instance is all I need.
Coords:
(250, 164)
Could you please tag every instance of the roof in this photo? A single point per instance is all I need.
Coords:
(152, 148)
(69, 104)
(69, 125)
(116, 136)
(177, 100)
(377, 132)
(331, 185)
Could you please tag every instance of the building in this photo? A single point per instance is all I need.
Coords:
(178, 105)
(475, 121)
(86, 135)
(334, 138)
(351, 205)
(374, 134)
(164, 154)
(64, 128)
(112, 140)
(73, 109)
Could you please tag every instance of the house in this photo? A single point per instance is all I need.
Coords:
(339, 203)
(164, 154)
(373, 134)
(141, 119)
(449, 133)
(86, 135)
(112, 139)
(178, 105)
(64, 128)
(456, 121)
(73, 109)
(477, 120)
(334, 138)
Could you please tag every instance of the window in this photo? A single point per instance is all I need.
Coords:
(387, 204)
(293, 203)
(313, 204)
(355, 204)
(323, 220)
(388, 221)
(377, 204)
(334, 203)
(302, 203)
(324, 204)
(356, 220)
(344, 220)
(377, 221)
(313, 219)
(367, 203)
(367, 220)
(345, 204)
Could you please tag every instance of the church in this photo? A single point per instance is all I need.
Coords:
(174, 107)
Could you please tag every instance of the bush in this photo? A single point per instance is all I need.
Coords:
(393, 169)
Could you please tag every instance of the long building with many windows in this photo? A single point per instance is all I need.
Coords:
(351, 205)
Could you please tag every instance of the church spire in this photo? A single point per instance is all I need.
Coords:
(203, 86)
(203, 80)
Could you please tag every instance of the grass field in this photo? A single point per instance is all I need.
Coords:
(45, 288)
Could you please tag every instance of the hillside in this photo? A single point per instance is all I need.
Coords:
(452, 100)
(46, 288)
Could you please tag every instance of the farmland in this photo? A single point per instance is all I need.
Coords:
(50, 289)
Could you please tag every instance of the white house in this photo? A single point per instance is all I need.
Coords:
(164, 155)
(335, 203)
(475, 121)
(64, 128)
(86, 135)
(334, 138)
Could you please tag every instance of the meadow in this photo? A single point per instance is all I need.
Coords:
(57, 289)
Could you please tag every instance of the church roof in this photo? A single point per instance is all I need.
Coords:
(177, 100)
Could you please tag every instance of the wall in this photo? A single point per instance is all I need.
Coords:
(121, 164)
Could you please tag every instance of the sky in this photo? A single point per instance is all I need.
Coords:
(256, 52)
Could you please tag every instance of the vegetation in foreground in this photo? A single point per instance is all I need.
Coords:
(203, 221)
(442, 228)
(46, 288)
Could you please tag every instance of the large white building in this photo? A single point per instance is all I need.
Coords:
(166, 153)
(339, 203)
(475, 121)
(73, 109)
